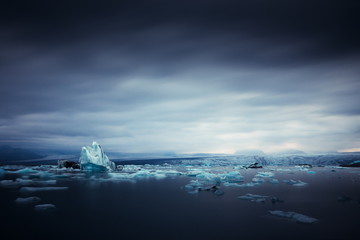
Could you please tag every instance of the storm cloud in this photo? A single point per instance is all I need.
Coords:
(183, 76)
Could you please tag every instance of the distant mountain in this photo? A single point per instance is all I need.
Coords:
(8, 153)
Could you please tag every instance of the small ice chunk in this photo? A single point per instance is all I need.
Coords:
(311, 172)
(131, 168)
(274, 181)
(300, 218)
(276, 200)
(45, 207)
(249, 184)
(232, 177)
(253, 198)
(295, 183)
(264, 174)
(25, 182)
(41, 189)
(258, 180)
(43, 175)
(27, 200)
(194, 186)
(193, 192)
(25, 171)
(8, 183)
(209, 178)
(94, 159)
(218, 192)
(2, 172)
(227, 184)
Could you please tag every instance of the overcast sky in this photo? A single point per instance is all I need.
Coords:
(184, 76)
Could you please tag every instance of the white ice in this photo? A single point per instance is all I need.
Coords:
(93, 158)
(295, 216)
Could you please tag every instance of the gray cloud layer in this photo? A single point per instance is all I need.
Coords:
(186, 76)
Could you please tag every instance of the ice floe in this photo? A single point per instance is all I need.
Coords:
(25, 182)
(295, 183)
(274, 181)
(45, 207)
(41, 189)
(276, 200)
(265, 174)
(27, 200)
(253, 198)
(300, 218)
(231, 177)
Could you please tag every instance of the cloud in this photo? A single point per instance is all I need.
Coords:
(197, 76)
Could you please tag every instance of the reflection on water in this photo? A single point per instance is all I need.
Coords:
(160, 202)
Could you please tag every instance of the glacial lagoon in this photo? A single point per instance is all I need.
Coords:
(180, 201)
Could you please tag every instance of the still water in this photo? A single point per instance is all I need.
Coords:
(152, 208)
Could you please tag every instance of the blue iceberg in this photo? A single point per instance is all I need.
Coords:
(94, 159)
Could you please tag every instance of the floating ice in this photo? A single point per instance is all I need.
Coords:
(295, 183)
(258, 180)
(93, 158)
(264, 174)
(218, 192)
(27, 200)
(227, 184)
(24, 171)
(2, 172)
(41, 189)
(232, 177)
(42, 174)
(45, 207)
(253, 198)
(209, 178)
(274, 181)
(194, 186)
(276, 200)
(249, 184)
(25, 182)
(293, 215)
(131, 168)
(147, 174)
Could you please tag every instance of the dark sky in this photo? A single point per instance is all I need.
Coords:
(183, 76)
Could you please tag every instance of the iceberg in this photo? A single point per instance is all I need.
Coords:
(94, 159)
(300, 218)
